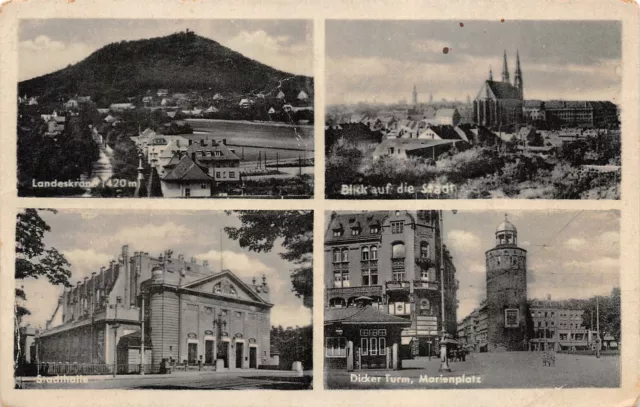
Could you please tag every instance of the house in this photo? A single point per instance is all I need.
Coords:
(445, 132)
(33, 101)
(187, 179)
(147, 100)
(302, 96)
(218, 97)
(71, 104)
(171, 114)
(175, 148)
(110, 119)
(405, 148)
(280, 95)
(449, 117)
(84, 99)
(271, 110)
(103, 110)
(244, 103)
(162, 92)
(212, 109)
(287, 108)
(220, 162)
(120, 107)
(55, 125)
(165, 102)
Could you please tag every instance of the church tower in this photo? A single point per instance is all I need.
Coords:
(517, 81)
(415, 96)
(505, 69)
(507, 310)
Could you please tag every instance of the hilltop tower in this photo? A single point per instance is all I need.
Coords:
(506, 267)
(415, 96)
(505, 69)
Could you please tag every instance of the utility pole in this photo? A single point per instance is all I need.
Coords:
(598, 340)
(444, 357)
(142, 336)
(115, 337)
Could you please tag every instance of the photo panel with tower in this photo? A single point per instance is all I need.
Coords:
(473, 109)
(467, 299)
(131, 299)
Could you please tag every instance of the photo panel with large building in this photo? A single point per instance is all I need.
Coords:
(472, 299)
(165, 108)
(96, 302)
(473, 109)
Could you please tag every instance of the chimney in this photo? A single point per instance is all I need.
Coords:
(224, 141)
(190, 141)
(193, 156)
(202, 142)
(205, 263)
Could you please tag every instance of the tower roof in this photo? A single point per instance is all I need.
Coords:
(506, 226)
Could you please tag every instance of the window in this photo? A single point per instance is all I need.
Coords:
(336, 255)
(391, 150)
(365, 253)
(373, 349)
(187, 192)
(232, 174)
(397, 227)
(364, 332)
(217, 174)
(337, 232)
(382, 332)
(203, 186)
(424, 250)
(355, 231)
(374, 253)
(336, 347)
(397, 251)
(364, 346)
(382, 346)
(345, 255)
(218, 154)
(374, 230)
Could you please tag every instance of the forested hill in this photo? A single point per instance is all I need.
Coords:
(179, 62)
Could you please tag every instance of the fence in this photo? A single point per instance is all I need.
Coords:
(83, 369)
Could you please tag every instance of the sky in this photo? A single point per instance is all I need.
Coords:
(47, 45)
(380, 61)
(89, 239)
(569, 254)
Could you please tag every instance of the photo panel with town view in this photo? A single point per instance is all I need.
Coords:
(129, 299)
(473, 109)
(165, 108)
(441, 299)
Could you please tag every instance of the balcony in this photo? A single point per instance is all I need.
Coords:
(425, 285)
(398, 285)
(369, 265)
(341, 267)
(347, 292)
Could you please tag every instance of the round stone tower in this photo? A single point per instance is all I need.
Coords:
(506, 267)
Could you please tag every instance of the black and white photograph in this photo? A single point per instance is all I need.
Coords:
(473, 109)
(129, 299)
(472, 299)
(165, 108)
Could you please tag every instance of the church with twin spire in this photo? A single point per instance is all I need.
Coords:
(498, 104)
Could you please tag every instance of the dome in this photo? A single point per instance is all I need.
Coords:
(506, 226)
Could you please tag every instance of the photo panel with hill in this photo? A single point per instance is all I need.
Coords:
(473, 109)
(130, 299)
(441, 299)
(165, 108)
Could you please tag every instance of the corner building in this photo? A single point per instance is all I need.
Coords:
(391, 261)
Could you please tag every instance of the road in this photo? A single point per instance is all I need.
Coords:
(257, 379)
(493, 370)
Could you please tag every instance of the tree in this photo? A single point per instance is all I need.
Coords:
(261, 229)
(609, 314)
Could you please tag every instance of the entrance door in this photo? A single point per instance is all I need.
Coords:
(208, 352)
(224, 353)
(239, 354)
(253, 357)
(192, 353)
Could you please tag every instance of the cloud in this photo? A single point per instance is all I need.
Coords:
(464, 241)
(290, 315)
(429, 45)
(43, 55)
(477, 268)
(575, 243)
(151, 237)
(282, 52)
(84, 262)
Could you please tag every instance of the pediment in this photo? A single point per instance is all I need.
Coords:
(225, 284)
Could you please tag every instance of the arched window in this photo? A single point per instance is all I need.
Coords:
(365, 253)
(397, 250)
(424, 250)
(345, 255)
(374, 253)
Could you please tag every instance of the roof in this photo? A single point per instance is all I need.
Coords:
(344, 221)
(506, 226)
(187, 170)
(364, 315)
(148, 133)
(212, 146)
(446, 132)
(412, 144)
(503, 90)
(445, 113)
(533, 103)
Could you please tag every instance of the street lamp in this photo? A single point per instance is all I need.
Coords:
(115, 337)
(444, 358)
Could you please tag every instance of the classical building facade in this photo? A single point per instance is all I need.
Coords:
(186, 313)
(500, 103)
(394, 262)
